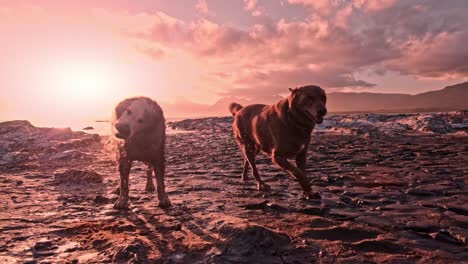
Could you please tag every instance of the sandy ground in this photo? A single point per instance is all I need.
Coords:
(385, 199)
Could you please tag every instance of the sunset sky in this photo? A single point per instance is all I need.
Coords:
(73, 60)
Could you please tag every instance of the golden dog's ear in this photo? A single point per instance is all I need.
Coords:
(122, 106)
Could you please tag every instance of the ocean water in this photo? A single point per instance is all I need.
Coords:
(103, 127)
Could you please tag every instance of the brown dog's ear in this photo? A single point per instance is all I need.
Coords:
(293, 90)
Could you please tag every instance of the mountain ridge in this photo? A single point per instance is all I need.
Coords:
(449, 98)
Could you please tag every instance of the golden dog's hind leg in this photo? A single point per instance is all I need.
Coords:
(250, 154)
(159, 169)
(124, 170)
(149, 179)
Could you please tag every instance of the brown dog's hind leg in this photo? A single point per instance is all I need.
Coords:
(149, 179)
(296, 172)
(159, 169)
(124, 170)
(250, 154)
(245, 177)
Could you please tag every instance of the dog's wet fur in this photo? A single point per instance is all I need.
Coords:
(139, 129)
(282, 130)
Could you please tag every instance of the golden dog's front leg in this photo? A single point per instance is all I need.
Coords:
(124, 170)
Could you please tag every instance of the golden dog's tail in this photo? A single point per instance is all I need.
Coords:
(234, 108)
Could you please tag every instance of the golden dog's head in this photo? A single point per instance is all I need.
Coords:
(308, 103)
(134, 116)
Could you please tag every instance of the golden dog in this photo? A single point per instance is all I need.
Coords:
(140, 130)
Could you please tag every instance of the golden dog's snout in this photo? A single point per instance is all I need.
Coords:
(123, 130)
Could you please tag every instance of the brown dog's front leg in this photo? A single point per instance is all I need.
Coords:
(149, 179)
(159, 169)
(294, 171)
(301, 160)
(124, 170)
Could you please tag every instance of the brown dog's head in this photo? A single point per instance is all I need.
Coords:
(308, 103)
(134, 116)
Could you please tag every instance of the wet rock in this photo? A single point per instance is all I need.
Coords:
(341, 234)
(134, 252)
(43, 249)
(422, 226)
(447, 237)
(15, 157)
(58, 133)
(99, 199)
(77, 177)
(419, 192)
(458, 234)
(379, 246)
(67, 154)
(16, 126)
(377, 221)
(265, 205)
(314, 210)
(80, 142)
(249, 244)
(176, 258)
(213, 124)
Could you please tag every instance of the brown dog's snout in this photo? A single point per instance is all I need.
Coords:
(122, 130)
(322, 111)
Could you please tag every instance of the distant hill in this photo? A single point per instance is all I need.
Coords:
(450, 98)
(453, 97)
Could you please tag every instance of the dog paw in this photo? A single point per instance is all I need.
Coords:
(264, 187)
(311, 196)
(164, 203)
(150, 188)
(121, 204)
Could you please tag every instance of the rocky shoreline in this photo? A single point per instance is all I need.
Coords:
(389, 195)
(440, 123)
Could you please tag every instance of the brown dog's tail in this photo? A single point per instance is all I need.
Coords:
(234, 108)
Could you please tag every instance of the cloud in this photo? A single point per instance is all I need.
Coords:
(331, 47)
(254, 8)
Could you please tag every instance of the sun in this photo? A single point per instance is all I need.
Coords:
(80, 82)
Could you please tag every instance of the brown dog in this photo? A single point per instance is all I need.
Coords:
(282, 130)
(140, 132)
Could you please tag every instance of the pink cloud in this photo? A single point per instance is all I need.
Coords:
(202, 6)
